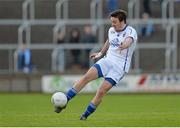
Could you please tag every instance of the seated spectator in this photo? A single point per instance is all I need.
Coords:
(146, 29)
(75, 38)
(88, 37)
(24, 59)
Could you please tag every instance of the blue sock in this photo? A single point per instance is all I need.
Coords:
(90, 109)
(71, 93)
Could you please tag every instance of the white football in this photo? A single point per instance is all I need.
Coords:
(59, 99)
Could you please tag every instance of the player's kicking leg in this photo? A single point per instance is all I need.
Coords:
(105, 87)
(59, 109)
(89, 76)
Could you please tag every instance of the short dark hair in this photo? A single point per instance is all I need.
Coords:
(120, 14)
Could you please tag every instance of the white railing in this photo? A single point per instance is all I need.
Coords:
(134, 9)
(61, 13)
(28, 13)
(96, 9)
(62, 9)
(170, 44)
(96, 15)
(58, 54)
(168, 9)
(24, 33)
(28, 4)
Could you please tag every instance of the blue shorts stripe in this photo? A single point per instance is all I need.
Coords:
(99, 70)
(110, 80)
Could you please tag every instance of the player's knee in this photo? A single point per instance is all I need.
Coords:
(101, 93)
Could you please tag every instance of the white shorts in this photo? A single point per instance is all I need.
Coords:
(109, 70)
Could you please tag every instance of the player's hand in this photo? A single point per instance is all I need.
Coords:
(124, 45)
(96, 55)
(120, 48)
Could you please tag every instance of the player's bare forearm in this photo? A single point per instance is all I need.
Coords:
(105, 47)
(103, 51)
(126, 44)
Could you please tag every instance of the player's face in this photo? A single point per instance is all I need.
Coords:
(118, 26)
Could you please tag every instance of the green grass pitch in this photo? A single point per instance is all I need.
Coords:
(116, 110)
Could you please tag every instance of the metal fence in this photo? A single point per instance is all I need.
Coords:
(61, 22)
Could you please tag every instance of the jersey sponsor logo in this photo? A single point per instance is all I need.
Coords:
(114, 42)
(124, 34)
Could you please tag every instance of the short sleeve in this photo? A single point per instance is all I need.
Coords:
(133, 34)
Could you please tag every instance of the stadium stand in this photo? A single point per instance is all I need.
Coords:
(42, 17)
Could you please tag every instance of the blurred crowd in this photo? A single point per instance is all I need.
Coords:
(80, 58)
(76, 36)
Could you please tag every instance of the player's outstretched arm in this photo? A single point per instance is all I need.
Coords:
(103, 51)
(126, 44)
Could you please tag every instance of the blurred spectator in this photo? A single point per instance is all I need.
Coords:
(112, 5)
(88, 37)
(75, 38)
(146, 29)
(60, 37)
(24, 59)
(146, 7)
